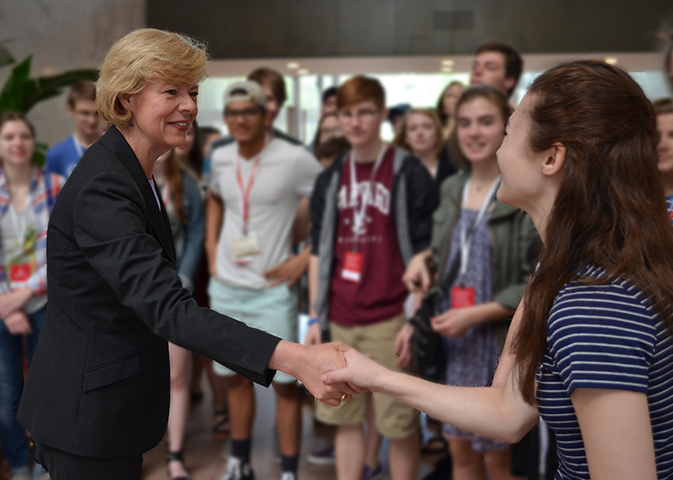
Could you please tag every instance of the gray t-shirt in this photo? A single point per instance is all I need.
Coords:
(19, 250)
(285, 174)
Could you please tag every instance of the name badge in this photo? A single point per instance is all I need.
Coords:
(20, 273)
(352, 267)
(462, 297)
(244, 248)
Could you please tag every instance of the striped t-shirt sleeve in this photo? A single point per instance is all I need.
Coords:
(602, 336)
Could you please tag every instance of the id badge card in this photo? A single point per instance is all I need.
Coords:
(244, 248)
(20, 273)
(462, 297)
(352, 267)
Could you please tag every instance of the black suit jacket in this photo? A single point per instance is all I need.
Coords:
(99, 382)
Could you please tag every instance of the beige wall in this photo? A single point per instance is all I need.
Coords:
(63, 35)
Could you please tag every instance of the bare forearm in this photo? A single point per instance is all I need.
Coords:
(302, 222)
(487, 411)
(492, 312)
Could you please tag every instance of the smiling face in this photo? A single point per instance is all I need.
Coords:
(479, 129)
(163, 113)
(665, 144)
(421, 134)
(16, 143)
(245, 121)
(523, 183)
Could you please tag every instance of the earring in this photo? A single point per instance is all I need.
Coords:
(131, 123)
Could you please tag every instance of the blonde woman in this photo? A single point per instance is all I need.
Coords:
(97, 396)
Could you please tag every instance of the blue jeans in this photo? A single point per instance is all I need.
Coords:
(14, 442)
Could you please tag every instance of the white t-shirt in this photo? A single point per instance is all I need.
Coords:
(285, 174)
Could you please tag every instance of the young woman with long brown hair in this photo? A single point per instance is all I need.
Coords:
(480, 247)
(590, 349)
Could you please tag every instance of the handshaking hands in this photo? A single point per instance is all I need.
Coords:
(310, 363)
(361, 373)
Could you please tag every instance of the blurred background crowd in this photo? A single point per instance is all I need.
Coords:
(309, 119)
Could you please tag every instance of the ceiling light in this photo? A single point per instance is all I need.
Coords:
(293, 65)
(447, 69)
(611, 60)
(302, 71)
(448, 63)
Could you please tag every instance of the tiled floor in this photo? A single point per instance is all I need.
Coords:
(205, 459)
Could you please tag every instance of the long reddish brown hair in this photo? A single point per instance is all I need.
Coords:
(610, 209)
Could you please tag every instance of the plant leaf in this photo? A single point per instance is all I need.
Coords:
(11, 97)
(42, 88)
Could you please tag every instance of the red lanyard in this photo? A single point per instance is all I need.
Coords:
(244, 192)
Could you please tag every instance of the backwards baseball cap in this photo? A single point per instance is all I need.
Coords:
(244, 91)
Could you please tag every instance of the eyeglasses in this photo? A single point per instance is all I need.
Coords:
(247, 114)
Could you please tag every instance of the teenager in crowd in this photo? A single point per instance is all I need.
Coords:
(63, 157)
(480, 247)
(663, 109)
(328, 127)
(446, 106)
(27, 196)
(258, 180)
(370, 212)
(273, 85)
(589, 349)
(275, 93)
(498, 65)
(421, 134)
(184, 207)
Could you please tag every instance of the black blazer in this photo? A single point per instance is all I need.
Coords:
(99, 381)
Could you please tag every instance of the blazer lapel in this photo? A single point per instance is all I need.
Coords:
(158, 218)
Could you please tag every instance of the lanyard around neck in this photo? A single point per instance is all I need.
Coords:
(359, 215)
(244, 191)
(467, 236)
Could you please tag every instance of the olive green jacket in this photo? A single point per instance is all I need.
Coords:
(513, 238)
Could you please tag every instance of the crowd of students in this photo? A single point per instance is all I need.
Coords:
(344, 228)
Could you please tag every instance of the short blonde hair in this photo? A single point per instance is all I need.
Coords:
(141, 56)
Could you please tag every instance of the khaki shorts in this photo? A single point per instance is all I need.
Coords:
(394, 419)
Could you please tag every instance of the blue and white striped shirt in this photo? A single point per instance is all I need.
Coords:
(605, 336)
